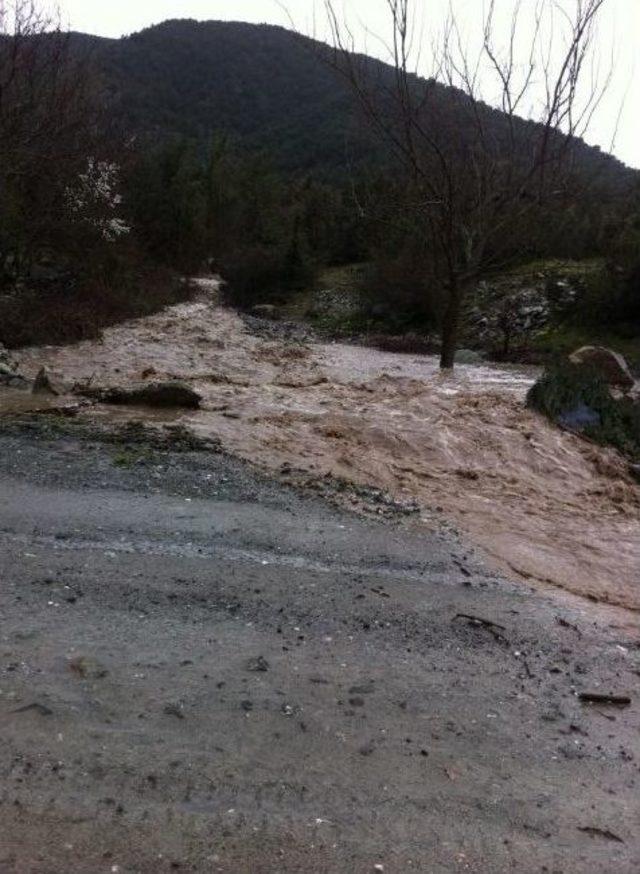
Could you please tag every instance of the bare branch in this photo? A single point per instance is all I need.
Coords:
(478, 178)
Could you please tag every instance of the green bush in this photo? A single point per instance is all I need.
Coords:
(253, 275)
(565, 387)
(399, 294)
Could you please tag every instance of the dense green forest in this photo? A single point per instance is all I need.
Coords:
(236, 148)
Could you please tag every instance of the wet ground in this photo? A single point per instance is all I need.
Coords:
(543, 504)
(204, 670)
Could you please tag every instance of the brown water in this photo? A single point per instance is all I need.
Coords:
(544, 503)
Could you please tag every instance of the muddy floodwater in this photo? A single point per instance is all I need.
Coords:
(541, 502)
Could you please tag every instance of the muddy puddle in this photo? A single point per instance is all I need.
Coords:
(14, 401)
(540, 502)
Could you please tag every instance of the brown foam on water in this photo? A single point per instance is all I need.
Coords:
(542, 502)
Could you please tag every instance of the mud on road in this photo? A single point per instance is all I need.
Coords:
(542, 504)
(205, 670)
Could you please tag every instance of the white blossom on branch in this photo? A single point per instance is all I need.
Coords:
(94, 199)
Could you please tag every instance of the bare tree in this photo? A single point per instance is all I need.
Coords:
(480, 180)
(48, 127)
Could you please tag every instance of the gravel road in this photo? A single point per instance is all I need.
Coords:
(205, 670)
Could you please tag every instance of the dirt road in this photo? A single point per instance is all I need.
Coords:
(203, 670)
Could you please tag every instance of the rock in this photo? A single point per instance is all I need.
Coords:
(87, 668)
(507, 312)
(9, 374)
(258, 665)
(469, 356)
(266, 311)
(12, 379)
(633, 395)
(154, 394)
(5, 357)
(610, 364)
(174, 709)
(42, 384)
(578, 398)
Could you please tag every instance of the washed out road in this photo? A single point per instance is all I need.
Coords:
(203, 670)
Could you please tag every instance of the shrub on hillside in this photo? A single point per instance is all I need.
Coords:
(399, 296)
(568, 393)
(264, 274)
(65, 307)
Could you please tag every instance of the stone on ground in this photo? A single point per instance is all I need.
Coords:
(9, 374)
(172, 393)
(42, 384)
(611, 365)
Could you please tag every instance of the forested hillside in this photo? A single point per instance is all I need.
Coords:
(267, 86)
(261, 84)
(195, 145)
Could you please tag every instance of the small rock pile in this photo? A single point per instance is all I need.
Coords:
(510, 311)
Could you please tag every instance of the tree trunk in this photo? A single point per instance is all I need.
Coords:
(506, 346)
(450, 325)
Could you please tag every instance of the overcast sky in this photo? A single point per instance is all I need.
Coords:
(620, 30)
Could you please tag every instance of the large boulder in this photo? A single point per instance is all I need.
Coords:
(579, 399)
(172, 393)
(612, 366)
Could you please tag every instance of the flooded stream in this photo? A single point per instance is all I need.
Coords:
(540, 502)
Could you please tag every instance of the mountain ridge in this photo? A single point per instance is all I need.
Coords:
(262, 84)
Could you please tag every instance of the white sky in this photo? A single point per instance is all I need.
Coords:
(619, 32)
